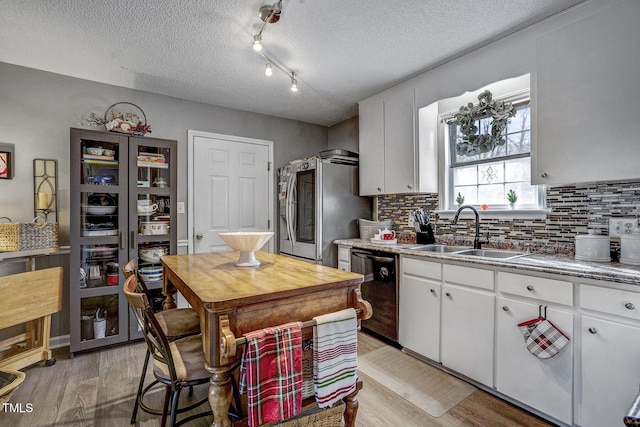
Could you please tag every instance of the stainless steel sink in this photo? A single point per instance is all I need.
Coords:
(491, 253)
(439, 248)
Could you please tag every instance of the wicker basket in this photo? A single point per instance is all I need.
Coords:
(9, 382)
(28, 236)
(327, 417)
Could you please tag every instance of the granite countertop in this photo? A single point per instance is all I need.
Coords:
(543, 263)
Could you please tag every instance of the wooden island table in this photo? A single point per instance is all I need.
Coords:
(234, 300)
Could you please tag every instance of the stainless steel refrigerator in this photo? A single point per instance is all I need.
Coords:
(318, 203)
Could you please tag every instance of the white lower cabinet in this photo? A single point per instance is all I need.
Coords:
(467, 332)
(610, 355)
(420, 292)
(543, 384)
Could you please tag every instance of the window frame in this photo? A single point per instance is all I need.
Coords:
(447, 203)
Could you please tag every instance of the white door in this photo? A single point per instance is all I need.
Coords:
(232, 188)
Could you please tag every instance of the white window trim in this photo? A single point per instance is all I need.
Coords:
(445, 172)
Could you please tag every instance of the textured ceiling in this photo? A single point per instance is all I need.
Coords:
(341, 51)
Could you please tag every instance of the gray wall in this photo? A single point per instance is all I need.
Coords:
(344, 135)
(37, 109)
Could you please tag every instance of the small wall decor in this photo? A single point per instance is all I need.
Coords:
(6, 160)
(470, 142)
(45, 188)
(122, 117)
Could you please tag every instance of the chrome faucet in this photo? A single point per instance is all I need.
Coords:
(476, 240)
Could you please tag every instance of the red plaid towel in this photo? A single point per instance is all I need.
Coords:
(543, 338)
(271, 373)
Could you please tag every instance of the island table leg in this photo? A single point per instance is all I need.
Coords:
(220, 394)
(351, 409)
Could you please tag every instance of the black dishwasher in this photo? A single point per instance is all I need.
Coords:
(380, 288)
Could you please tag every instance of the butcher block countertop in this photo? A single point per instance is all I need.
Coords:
(277, 277)
(555, 264)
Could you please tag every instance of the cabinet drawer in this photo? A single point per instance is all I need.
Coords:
(611, 301)
(344, 254)
(475, 277)
(418, 267)
(557, 291)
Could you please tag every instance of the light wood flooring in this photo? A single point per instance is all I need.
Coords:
(98, 389)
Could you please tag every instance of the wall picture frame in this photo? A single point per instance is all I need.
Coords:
(7, 160)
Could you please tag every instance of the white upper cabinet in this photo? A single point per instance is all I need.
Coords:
(390, 161)
(588, 99)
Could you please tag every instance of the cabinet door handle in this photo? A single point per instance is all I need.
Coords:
(120, 242)
(593, 330)
(379, 189)
(132, 240)
(505, 308)
(409, 187)
(433, 291)
(543, 175)
(448, 294)
(629, 306)
(530, 288)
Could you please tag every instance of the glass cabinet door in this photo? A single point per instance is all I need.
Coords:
(99, 210)
(152, 216)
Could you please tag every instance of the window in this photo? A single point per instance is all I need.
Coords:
(486, 178)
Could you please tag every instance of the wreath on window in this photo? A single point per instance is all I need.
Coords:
(470, 143)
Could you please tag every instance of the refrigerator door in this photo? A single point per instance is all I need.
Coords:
(341, 206)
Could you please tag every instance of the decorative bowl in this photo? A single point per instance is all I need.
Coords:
(247, 242)
(95, 151)
(106, 152)
(152, 254)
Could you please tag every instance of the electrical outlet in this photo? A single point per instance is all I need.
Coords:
(180, 207)
(623, 226)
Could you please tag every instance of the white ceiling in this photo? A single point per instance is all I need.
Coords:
(342, 51)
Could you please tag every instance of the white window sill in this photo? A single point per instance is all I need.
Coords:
(505, 214)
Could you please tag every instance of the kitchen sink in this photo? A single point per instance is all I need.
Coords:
(439, 248)
(491, 253)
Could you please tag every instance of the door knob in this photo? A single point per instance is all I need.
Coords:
(199, 236)
(505, 308)
(629, 306)
(530, 288)
(592, 330)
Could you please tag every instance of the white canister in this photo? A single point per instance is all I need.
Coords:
(630, 249)
(593, 247)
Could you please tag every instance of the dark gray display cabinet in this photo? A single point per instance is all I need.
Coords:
(123, 206)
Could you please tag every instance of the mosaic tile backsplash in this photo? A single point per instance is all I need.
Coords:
(572, 210)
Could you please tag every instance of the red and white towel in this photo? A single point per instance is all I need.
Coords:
(271, 373)
(335, 356)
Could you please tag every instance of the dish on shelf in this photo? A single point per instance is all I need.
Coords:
(153, 227)
(152, 254)
(101, 199)
(151, 273)
(99, 209)
(100, 252)
(96, 151)
(163, 218)
(106, 232)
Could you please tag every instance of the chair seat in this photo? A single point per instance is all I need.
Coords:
(188, 359)
(179, 322)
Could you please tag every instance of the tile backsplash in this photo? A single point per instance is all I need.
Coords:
(573, 210)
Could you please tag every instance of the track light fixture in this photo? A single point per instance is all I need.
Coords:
(270, 14)
(257, 42)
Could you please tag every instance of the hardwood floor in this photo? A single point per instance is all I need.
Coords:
(98, 389)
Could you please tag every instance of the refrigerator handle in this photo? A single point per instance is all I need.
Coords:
(292, 208)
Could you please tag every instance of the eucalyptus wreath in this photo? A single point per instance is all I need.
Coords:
(470, 143)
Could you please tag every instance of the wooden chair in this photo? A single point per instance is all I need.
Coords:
(175, 324)
(176, 364)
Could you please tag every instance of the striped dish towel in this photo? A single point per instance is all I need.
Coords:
(271, 373)
(335, 356)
